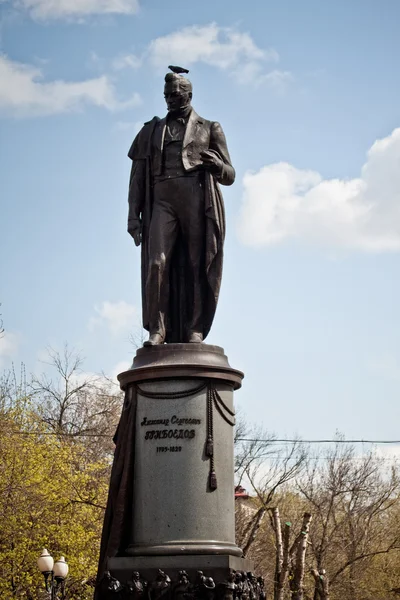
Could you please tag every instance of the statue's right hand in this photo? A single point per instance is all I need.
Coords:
(135, 230)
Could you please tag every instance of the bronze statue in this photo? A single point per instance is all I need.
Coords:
(136, 587)
(112, 585)
(227, 588)
(182, 589)
(245, 587)
(206, 589)
(261, 587)
(176, 212)
(239, 585)
(160, 586)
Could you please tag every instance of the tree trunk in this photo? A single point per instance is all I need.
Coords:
(276, 520)
(299, 557)
(321, 584)
(254, 529)
(282, 554)
(285, 565)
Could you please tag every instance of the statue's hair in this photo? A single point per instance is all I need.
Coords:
(184, 84)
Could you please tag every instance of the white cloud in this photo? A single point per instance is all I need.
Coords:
(22, 93)
(75, 9)
(281, 202)
(278, 79)
(390, 452)
(9, 343)
(222, 47)
(119, 317)
(127, 61)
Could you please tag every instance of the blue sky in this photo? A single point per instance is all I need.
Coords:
(307, 93)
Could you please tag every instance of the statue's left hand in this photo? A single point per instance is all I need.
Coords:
(211, 161)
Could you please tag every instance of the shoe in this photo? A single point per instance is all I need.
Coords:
(195, 337)
(155, 339)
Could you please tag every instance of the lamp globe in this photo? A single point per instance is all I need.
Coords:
(60, 568)
(45, 561)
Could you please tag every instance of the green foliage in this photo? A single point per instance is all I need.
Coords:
(50, 496)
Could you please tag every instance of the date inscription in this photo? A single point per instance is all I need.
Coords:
(169, 449)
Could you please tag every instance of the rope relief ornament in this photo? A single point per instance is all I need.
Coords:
(214, 400)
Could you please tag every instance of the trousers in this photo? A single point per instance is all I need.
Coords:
(178, 213)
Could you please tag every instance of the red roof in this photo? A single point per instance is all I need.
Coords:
(240, 492)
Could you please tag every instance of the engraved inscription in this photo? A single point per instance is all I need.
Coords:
(169, 448)
(168, 432)
(174, 420)
(176, 434)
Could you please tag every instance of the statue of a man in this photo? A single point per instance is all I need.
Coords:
(176, 212)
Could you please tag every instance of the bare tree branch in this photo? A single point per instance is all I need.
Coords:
(362, 557)
(350, 497)
(76, 404)
(1, 325)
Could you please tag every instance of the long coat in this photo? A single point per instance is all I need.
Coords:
(146, 155)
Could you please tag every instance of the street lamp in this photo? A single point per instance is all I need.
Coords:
(54, 574)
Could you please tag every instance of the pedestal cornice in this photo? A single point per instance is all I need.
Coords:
(180, 361)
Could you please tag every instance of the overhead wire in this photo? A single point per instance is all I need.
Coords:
(239, 439)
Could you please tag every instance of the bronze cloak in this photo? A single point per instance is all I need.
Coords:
(141, 183)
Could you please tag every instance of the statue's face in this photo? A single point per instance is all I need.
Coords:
(176, 98)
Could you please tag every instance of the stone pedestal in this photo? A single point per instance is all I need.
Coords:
(212, 565)
(182, 509)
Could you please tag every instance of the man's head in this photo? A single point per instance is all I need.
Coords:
(177, 92)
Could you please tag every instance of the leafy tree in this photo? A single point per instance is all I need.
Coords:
(51, 496)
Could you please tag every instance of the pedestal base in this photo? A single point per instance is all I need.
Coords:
(183, 497)
(171, 499)
(217, 567)
(202, 577)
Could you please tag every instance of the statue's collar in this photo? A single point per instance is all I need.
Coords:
(182, 114)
